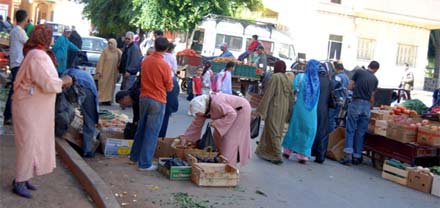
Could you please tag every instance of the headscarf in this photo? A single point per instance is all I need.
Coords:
(40, 38)
(207, 66)
(280, 67)
(199, 104)
(113, 41)
(311, 84)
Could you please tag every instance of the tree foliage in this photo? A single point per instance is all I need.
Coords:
(115, 16)
(435, 40)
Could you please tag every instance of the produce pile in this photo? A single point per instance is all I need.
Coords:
(188, 52)
(232, 59)
(168, 163)
(415, 105)
(4, 35)
(404, 120)
(399, 110)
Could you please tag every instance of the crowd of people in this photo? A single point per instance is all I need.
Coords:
(309, 103)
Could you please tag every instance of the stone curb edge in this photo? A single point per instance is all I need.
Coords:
(87, 177)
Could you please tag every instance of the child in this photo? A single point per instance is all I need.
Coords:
(197, 82)
(250, 49)
(208, 77)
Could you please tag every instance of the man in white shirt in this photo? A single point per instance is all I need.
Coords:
(18, 38)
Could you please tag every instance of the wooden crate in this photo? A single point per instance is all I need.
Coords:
(428, 137)
(401, 133)
(214, 175)
(395, 174)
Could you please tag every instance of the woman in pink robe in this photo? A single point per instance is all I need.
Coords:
(33, 111)
(231, 117)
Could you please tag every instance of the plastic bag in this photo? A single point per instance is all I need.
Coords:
(255, 127)
(207, 140)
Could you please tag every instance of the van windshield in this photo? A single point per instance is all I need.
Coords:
(286, 51)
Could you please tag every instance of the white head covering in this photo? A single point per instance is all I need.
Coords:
(199, 104)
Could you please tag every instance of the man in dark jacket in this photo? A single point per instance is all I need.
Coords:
(75, 38)
(130, 61)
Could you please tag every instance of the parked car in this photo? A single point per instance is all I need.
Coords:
(90, 52)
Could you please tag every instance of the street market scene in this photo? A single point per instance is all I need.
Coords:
(223, 103)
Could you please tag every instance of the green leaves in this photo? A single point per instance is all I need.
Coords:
(113, 17)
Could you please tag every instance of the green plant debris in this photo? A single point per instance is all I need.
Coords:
(183, 200)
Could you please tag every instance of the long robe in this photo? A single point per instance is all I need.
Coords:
(33, 113)
(108, 67)
(319, 148)
(231, 124)
(60, 48)
(303, 123)
(273, 109)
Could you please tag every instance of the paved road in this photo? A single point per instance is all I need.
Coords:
(288, 185)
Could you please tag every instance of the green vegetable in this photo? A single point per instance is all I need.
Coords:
(416, 105)
(183, 200)
(435, 170)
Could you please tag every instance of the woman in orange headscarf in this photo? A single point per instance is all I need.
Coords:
(33, 108)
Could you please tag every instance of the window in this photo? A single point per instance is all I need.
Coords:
(92, 44)
(234, 42)
(334, 47)
(365, 49)
(406, 54)
(286, 51)
(336, 1)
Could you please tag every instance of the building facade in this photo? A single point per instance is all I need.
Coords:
(393, 32)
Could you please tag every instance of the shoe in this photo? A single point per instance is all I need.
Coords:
(346, 160)
(21, 190)
(7, 122)
(28, 185)
(319, 161)
(357, 161)
(151, 168)
(302, 162)
(286, 156)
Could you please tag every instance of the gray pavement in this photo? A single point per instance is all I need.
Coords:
(262, 184)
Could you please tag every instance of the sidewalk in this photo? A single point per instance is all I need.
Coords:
(55, 190)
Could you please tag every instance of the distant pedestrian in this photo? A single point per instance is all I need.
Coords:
(250, 49)
(363, 84)
(225, 51)
(155, 83)
(303, 122)
(17, 39)
(107, 72)
(223, 79)
(208, 78)
(29, 27)
(61, 47)
(261, 58)
(407, 81)
(35, 88)
(130, 61)
(197, 82)
(274, 110)
(72, 56)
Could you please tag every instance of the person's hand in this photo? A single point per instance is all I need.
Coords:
(67, 81)
(126, 74)
(98, 75)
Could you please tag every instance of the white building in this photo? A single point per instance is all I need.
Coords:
(392, 32)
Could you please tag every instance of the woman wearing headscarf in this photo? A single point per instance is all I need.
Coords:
(33, 107)
(107, 72)
(208, 77)
(231, 116)
(274, 110)
(319, 148)
(303, 122)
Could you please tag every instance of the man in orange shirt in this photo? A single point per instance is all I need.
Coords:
(155, 83)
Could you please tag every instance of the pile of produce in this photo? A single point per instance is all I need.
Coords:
(399, 110)
(106, 114)
(208, 160)
(188, 52)
(408, 121)
(4, 35)
(435, 170)
(415, 105)
(174, 162)
(229, 59)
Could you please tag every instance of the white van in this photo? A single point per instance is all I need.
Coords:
(237, 33)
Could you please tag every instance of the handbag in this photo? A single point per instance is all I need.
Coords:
(130, 130)
(207, 140)
(255, 127)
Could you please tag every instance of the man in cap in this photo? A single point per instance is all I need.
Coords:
(61, 47)
(225, 51)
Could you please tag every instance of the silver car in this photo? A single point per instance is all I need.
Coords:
(91, 48)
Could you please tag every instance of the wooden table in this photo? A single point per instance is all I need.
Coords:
(411, 153)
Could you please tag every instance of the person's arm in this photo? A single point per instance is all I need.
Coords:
(167, 77)
(23, 38)
(193, 132)
(351, 85)
(71, 46)
(372, 99)
(45, 77)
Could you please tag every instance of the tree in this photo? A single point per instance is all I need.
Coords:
(435, 40)
(112, 16)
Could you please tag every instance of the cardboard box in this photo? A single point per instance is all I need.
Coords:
(380, 114)
(401, 133)
(117, 147)
(427, 136)
(436, 186)
(177, 173)
(337, 151)
(163, 148)
(337, 135)
(371, 125)
(394, 174)
(420, 180)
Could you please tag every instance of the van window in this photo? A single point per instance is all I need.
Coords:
(284, 52)
(234, 42)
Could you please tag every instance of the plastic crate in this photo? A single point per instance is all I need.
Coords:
(217, 66)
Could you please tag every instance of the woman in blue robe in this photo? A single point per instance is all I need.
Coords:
(303, 122)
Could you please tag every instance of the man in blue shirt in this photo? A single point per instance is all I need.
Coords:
(61, 47)
(340, 83)
(86, 95)
(225, 51)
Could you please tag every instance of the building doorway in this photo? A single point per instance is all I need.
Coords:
(334, 47)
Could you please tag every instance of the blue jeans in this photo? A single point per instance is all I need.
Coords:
(357, 124)
(7, 114)
(333, 114)
(90, 117)
(244, 55)
(145, 139)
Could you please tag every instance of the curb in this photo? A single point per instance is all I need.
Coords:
(87, 177)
